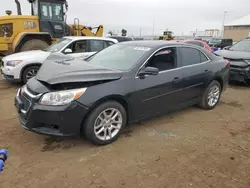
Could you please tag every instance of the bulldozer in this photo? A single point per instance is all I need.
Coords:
(45, 25)
(167, 35)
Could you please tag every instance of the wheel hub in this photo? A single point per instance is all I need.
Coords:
(108, 124)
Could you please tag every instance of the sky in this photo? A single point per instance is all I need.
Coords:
(141, 16)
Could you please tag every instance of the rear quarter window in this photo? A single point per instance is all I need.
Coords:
(191, 56)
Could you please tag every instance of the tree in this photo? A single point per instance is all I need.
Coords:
(124, 32)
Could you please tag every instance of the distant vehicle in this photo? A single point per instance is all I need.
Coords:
(220, 43)
(121, 38)
(20, 67)
(201, 44)
(167, 35)
(121, 84)
(239, 57)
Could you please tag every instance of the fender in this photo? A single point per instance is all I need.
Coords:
(28, 65)
(21, 36)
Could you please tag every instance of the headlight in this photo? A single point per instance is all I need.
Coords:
(13, 63)
(61, 97)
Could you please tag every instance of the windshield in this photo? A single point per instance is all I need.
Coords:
(243, 46)
(214, 40)
(119, 57)
(52, 11)
(167, 33)
(59, 45)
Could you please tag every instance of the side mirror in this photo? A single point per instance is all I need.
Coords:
(149, 71)
(68, 51)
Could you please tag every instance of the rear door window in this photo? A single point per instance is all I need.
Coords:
(191, 56)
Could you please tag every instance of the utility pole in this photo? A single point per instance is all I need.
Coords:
(153, 28)
(224, 18)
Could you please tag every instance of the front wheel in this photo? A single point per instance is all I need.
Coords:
(29, 73)
(104, 124)
(34, 44)
(211, 96)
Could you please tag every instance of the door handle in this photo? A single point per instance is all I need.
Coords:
(176, 79)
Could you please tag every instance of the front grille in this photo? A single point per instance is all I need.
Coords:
(26, 100)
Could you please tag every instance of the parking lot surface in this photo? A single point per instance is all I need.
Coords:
(189, 148)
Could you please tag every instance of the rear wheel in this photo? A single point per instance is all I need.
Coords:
(34, 44)
(211, 96)
(29, 73)
(105, 122)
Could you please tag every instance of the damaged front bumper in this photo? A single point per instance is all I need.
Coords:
(240, 74)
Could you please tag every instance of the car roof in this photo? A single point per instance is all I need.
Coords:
(194, 41)
(153, 43)
(90, 38)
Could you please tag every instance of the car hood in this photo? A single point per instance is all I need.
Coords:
(35, 55)
(59, 69)
(237, 59)
(233, 54)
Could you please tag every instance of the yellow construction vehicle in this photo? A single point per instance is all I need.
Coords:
(167, 35)
(46, 24)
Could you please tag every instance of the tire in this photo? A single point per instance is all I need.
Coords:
(204, 103)
(92, 120)
(27, 72)
(34, 44)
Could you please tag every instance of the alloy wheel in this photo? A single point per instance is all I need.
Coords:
(213, 95)
(108, 124)
(31, 73)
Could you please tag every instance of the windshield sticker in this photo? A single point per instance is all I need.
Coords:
(142, 48)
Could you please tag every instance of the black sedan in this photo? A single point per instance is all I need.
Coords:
(239, 57)
(124, 83)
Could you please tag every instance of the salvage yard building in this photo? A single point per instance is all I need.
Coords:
(238, 29)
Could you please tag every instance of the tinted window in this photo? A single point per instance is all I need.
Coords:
(164, 59)
(96, 45)
(203, 57)
(119, 56)
(195, 43)
(191, 56)
(52, 11)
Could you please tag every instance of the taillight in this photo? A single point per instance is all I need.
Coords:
(228, 64)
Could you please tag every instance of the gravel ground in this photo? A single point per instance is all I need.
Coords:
(189, 148)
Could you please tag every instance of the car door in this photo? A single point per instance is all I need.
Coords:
(195, 70)
(155, 93)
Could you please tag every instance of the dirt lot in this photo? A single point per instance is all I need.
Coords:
(190, 148)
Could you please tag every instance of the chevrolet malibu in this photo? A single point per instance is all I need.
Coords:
(124, 83)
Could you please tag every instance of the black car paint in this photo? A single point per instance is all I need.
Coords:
(142, 97)
(67, 72)
(239, 64)
(224, 43)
